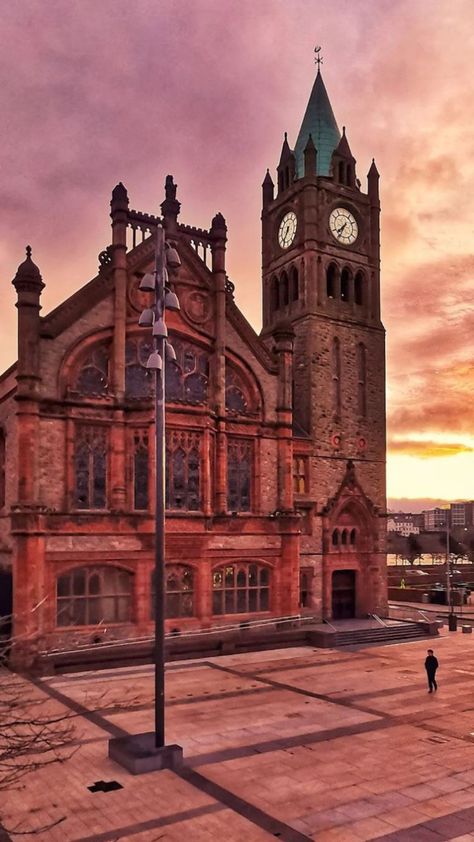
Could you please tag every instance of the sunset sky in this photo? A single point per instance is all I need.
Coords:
(99, 91)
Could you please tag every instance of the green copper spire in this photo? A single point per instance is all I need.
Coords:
(320, 123)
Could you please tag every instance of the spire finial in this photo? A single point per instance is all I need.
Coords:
(28, 252)
(319, 59)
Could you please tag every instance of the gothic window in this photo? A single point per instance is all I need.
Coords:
(138, 379)
(90, 466)
(140, 470)
(284, 290)
(274, 295)
(331, 275)
(235, 393)
(353, 536)
(335, 537)
(294, 284)
(344, 537)
(179, 580)
(240, 589)
(345, 284)
(349, 176)
(362, 379)
(2, 468)
(93, 377)
(239, 472)
(87, 596)
(341, 172)
(300, 474)
(359, 288)
(336, 375)
(183, 471)
(187, 379)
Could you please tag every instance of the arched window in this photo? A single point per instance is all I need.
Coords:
(93, 377)
(141, 469)
(179, 579)
(362, 379)
(331, 276)
(345, 284)
(294, 284)
(353, 536)
(186, 379)
(183, 471)
(138, 379)
(284, 291)
(90, 467)
(336, 375)
(335, 537)
(300, 474)
(240, 589)
(359, 288)
(87, 596)
(274, 294)
(280, 182)
(341, 172)
(239, 472)
(344, 537)
(236, 398)
(3, 469)
(349, 177)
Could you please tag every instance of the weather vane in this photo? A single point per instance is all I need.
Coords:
(319, 59)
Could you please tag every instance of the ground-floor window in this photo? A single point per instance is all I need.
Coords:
(240, 589)
(87, 596)
(179, 591)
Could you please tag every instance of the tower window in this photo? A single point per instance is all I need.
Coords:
(345, 284)
(362, 379)
(349, 179)
(336, 375)
(359, 288)
(284, 292)
(335, 537)
(294, 286)
(331, 275)
(274, 295)
(341, 172)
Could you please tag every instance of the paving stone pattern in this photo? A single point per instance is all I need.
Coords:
(295, 744)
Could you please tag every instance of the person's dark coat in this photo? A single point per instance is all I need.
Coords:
(431, 664)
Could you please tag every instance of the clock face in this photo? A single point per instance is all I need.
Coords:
(287, 230)
(343, 226)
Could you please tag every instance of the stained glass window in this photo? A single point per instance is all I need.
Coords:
(140, 470)
(239, 471)
(93, 378)
(179, 591)
(300, 474)
(186, 379)
(90, 463)
(87, 596)
(240, 589)
(183, 471)
(236, 399)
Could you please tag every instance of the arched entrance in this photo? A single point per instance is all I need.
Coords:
(343, 594)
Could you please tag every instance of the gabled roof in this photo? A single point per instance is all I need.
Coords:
(319, 121)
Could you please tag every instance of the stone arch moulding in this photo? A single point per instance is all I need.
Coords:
(350, 496)
(250, 380)
(77, 353)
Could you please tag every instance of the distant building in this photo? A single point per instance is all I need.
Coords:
(405, 523)
(435, 519)
(462, 514)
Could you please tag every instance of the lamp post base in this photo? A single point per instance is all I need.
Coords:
(139, 754)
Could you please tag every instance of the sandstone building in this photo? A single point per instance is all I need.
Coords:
(275, 444)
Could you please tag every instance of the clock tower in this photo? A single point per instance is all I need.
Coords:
(321, 274)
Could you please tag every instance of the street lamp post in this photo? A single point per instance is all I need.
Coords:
(147, 752)
(452, 619)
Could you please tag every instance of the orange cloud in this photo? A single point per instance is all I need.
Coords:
(427, 449)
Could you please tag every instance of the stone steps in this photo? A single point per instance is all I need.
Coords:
(388, 634)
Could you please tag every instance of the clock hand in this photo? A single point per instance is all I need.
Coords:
(340, 230)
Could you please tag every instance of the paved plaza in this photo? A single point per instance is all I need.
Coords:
(294, 744)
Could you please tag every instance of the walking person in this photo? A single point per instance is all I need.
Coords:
(431, 665)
